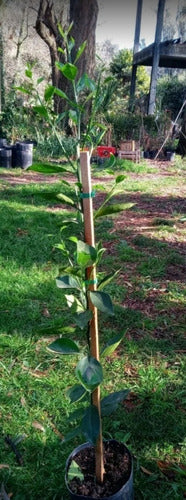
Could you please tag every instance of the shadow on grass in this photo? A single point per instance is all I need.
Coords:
(155, 424)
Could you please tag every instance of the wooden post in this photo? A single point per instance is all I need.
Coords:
(136, 48)
(91, 275)
(156, 55)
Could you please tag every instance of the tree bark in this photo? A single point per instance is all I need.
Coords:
(83, 13)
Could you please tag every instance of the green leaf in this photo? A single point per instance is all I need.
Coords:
(91, 424)
(86, 254)
(47, 169)
(40, 80)
(85, 83)
(23, 90)
(28, 73)
(74, 471)
(60, 93)
(68, 70)
(89, 372)
(112, 209)
(64, 346)
(83, 318)
(74, 304)
(102, 301)
(110, 403)
(76, 393)
(112, 344)
(107, 279)
(73, 116)
(49, 92)
(72, 434)
(80, 51)
(65, 198)
(62, 33)
(67, 281)
(41, 110)
(120, 178)
(77, 414)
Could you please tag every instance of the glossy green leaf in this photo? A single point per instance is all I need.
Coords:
(74, 304)
(86, 254)
(112, 344)
(82, 319)
(91, 424)
(76, 393)
(42, 111)
(107, 279)
(61, 31)
(60, 93)
(49, 92)
(47, 169)
(23, 90)
(77, 414)
(110, 403)
(80, 51)
(69, 70)
(89, 372)
(74, 471)
(67, 281)
(28, 73)
(112, 209)
(120, 178)
(102, 301)
(65, 198)
(85, 83)
(64, 346)
(72, 434)
(40, 80)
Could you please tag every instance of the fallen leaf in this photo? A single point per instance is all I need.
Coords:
(39, 373)
(131, 401)
(38, 426)
(146, 471)
(45, 312)
(167, 468)
(23, 401)
(21, 232)
(4, 466)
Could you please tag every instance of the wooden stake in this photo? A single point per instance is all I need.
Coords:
(91, 275)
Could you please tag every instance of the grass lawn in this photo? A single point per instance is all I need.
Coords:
(147, 244)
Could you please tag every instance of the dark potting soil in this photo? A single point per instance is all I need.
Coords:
(117, 464)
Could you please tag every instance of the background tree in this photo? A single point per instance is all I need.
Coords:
(83, 14)
(121, 68)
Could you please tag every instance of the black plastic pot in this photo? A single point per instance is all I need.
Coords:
(170, 155)
(125, 493)
(6, 157)
(24, 153)
(3, 142)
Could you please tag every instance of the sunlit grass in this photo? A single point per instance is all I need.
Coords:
(149, 361)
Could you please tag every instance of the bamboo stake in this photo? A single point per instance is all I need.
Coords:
(91, 275)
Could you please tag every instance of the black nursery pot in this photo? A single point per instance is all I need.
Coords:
(125, 492)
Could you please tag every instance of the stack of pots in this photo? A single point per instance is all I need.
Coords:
(17, 155)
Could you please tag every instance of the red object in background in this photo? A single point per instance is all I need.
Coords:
(105, 151)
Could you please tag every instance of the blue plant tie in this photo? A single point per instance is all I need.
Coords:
(91, 282)
(88, 195)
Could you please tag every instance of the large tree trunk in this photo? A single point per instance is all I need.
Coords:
(83, 13)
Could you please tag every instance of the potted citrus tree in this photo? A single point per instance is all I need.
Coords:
(98, 468)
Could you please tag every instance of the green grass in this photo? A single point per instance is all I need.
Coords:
(149, 299)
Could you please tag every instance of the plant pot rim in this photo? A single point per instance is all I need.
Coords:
(89, 445)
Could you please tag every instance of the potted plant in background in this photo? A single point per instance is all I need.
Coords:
(170, 149)
(96, 469)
